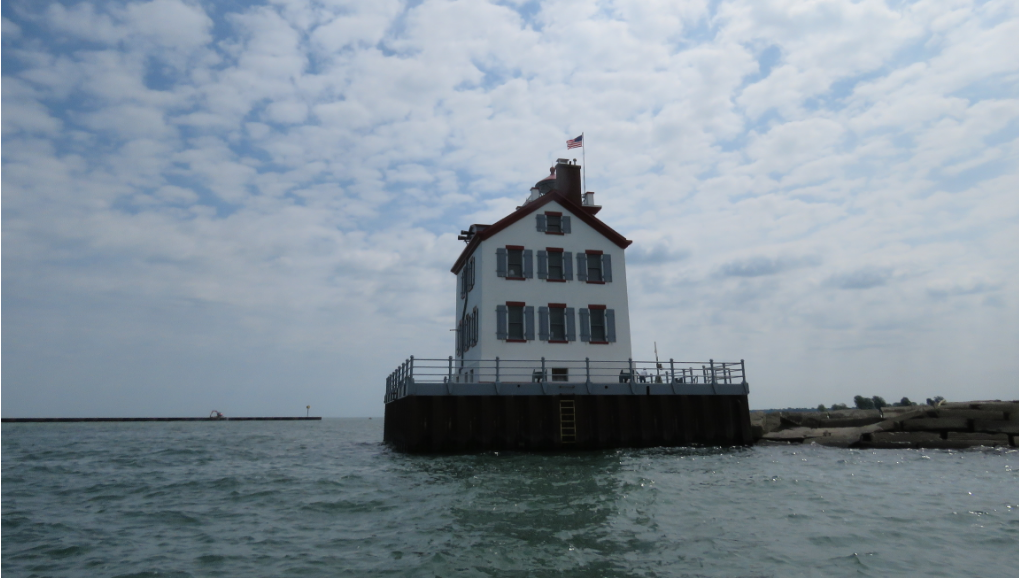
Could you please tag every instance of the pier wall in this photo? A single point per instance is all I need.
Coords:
(419, 423)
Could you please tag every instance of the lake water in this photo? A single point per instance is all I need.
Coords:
(328, 499)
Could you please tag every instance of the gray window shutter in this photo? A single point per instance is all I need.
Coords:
(529, 323)
(610, 325)
(542, 223)
(500, 322)
(528, 264)
(500, 261)
(571, 331)
(585, 324)
(568, 266)
(606, 268)
(460, 283)
(581, 266)
(543, 323)
(566, 224)
(542, 264)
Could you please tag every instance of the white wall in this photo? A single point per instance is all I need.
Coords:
(491, 290)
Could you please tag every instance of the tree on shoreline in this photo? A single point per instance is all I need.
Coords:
(863, 402)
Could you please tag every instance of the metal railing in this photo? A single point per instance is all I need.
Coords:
(498, 371)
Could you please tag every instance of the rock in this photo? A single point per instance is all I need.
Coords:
(980, 438)
(996, 426)
(842, 437)
(936, 424)
(971, 414)
(837, 437)
(1009, 407)
(905, 437)
(957, 405)
(756, 431)
(767, 421)
(841, 422)
(772, 422)
(787, 435)
(897, 411)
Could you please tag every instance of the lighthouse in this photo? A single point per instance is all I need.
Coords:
(542, 358)
(548, 280)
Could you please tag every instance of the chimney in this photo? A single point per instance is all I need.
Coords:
(567, 180)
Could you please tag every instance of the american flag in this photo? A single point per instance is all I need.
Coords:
(574, 143)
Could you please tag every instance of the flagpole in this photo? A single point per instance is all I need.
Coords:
(583, 154)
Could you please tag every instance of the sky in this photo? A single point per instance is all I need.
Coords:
(253, 206)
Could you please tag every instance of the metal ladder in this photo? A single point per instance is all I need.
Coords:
(567, 421)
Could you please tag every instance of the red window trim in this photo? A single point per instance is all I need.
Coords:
(514, 247)
(556, 280)
(551, 341)
(594, 252)
(554, 249)
(554, 213)
(595, 282)
(554, 233)
(597, 307)
(515, 304)
(557, 305)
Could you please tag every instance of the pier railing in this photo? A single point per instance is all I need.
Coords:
(431, 376)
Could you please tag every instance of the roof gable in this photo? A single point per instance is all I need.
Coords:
(521, 212)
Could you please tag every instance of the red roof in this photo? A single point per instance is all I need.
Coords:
(521, 212)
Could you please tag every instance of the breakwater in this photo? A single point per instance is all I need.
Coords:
(88, 419)
(956, 425)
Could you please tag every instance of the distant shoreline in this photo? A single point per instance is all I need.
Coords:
(96, 419)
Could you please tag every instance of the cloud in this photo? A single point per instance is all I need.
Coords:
(761, 266)
(865, 278)
(279, 186)
(658, 254)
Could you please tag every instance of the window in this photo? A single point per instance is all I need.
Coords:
(467, 278)
(514, 321)
(515, 267)
(557, 324)
(598, 324)
(555, 265)
(467, 332)
(560, 374)
(514, 262)
(553, 223)
(594, 267)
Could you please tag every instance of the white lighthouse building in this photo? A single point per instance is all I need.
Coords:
(547, 281)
